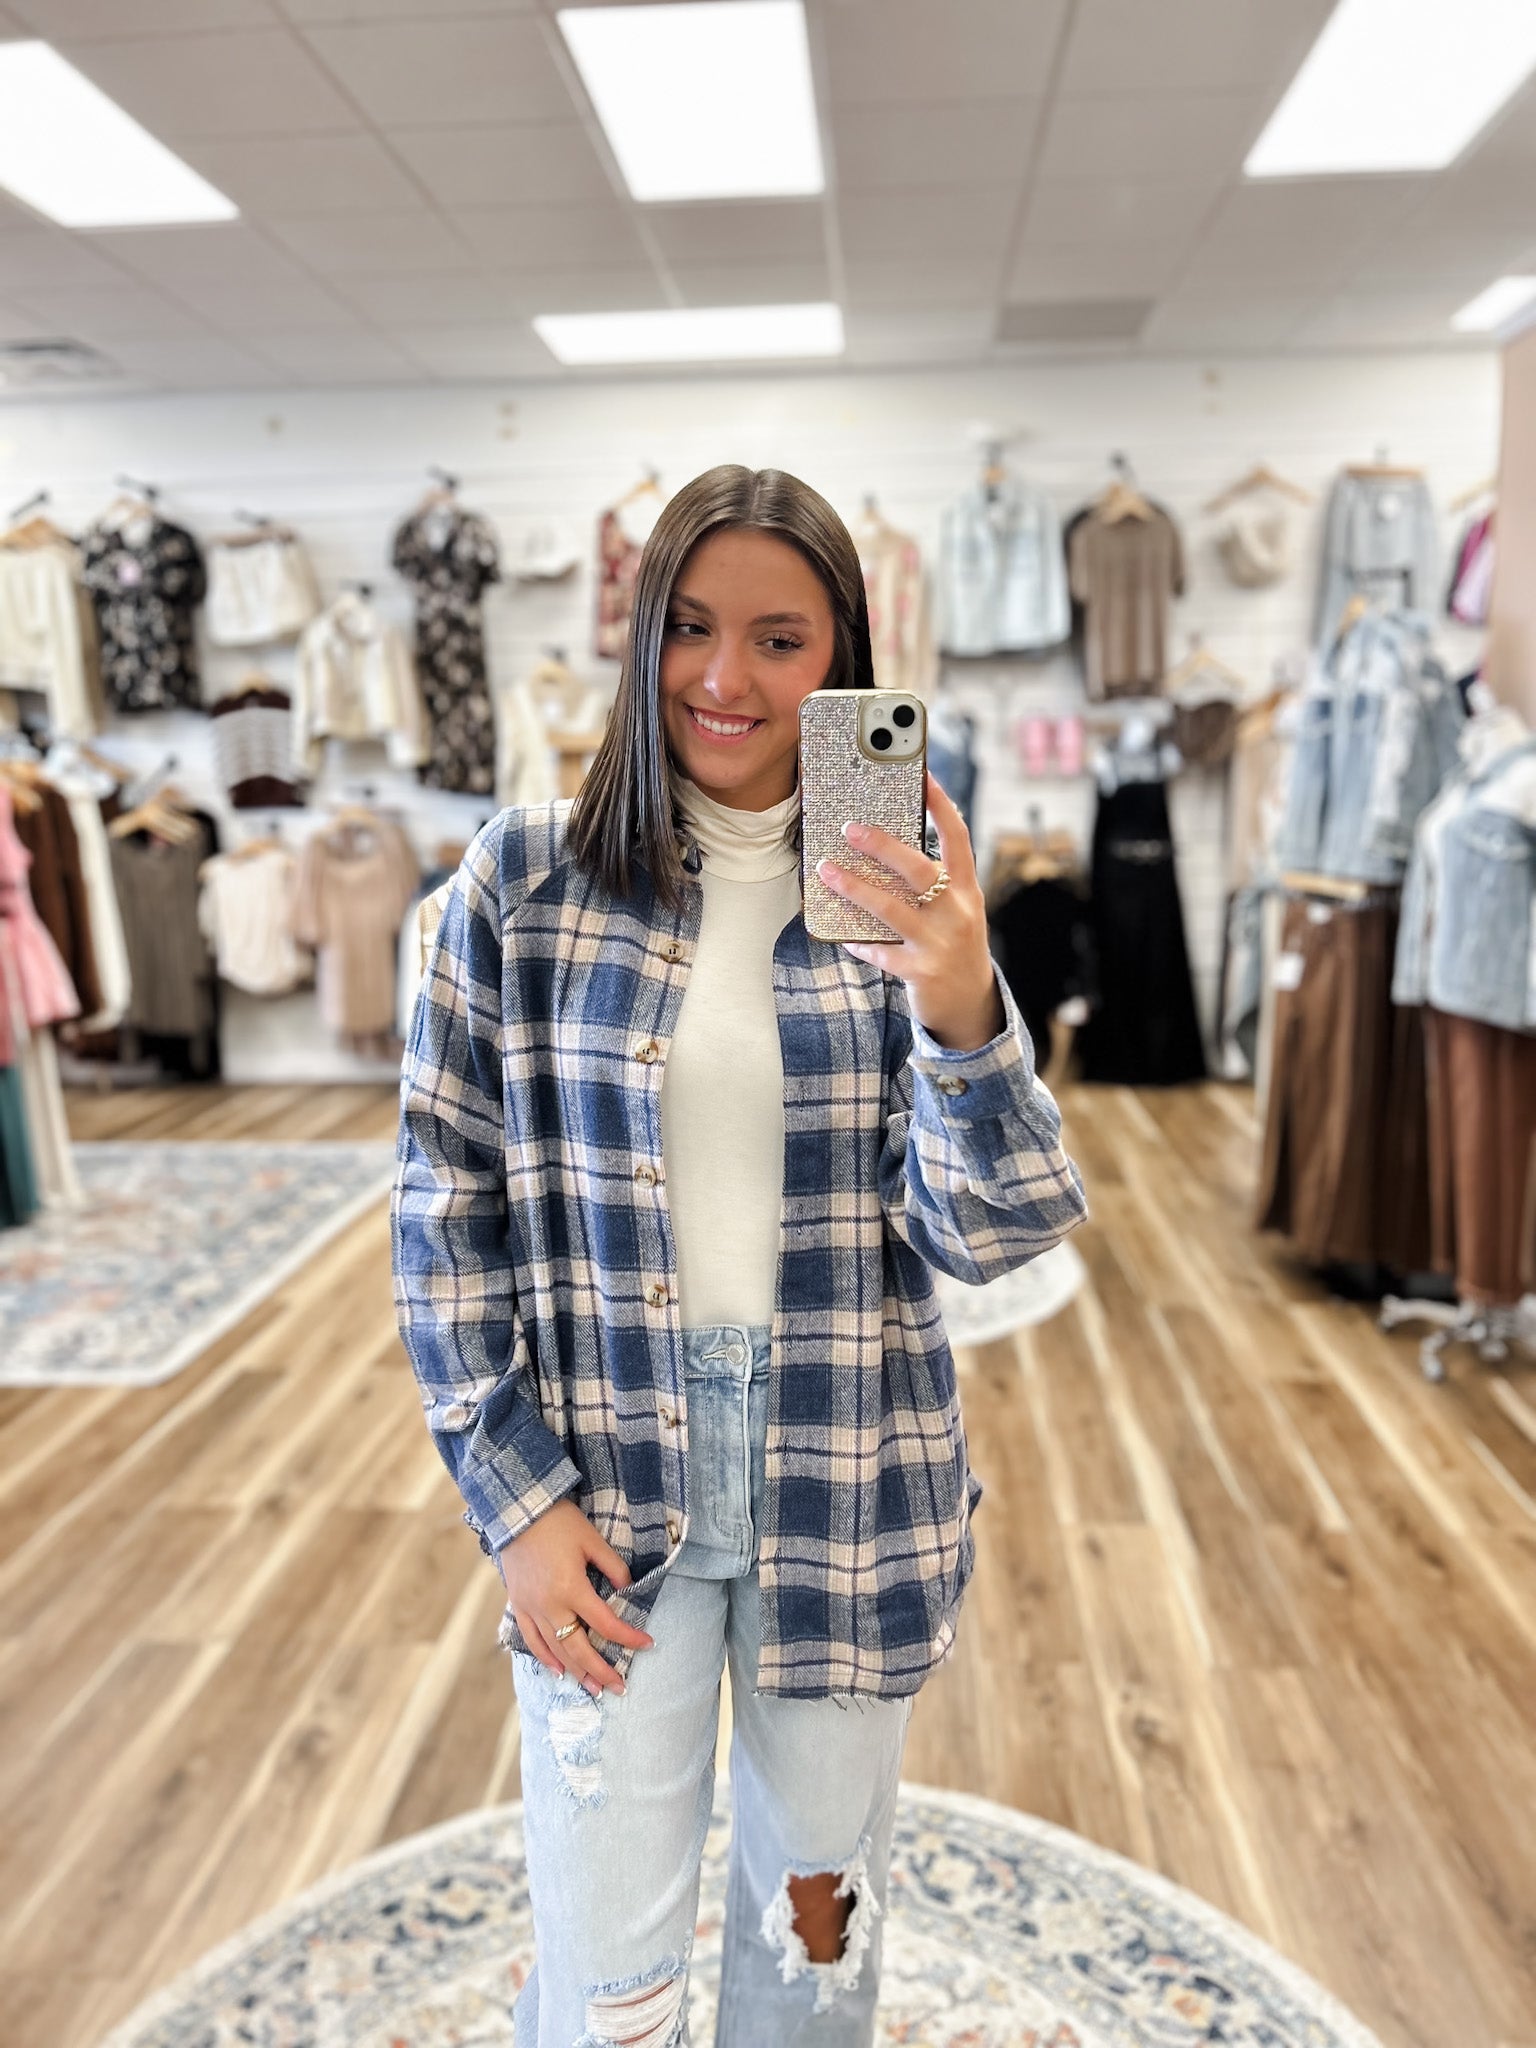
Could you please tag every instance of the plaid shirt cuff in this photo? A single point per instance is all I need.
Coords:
(997, 1077)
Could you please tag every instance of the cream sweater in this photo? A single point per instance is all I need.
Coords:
(722, 1096)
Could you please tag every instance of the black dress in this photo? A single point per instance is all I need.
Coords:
(1145, 1031)
(1042, 937)
(447, 566)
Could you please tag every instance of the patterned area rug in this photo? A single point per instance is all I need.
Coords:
(172, 1245)
(1003, 1932)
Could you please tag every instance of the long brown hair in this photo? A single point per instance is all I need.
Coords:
(624, 813)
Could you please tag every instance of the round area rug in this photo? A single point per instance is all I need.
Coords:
(1002, 1932)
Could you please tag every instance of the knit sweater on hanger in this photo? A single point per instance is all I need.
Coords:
(722, 1098)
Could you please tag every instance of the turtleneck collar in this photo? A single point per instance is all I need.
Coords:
(738, 846)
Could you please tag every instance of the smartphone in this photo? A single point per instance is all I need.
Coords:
(863, 758)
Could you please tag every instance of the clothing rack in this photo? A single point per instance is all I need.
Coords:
(1492, 1330)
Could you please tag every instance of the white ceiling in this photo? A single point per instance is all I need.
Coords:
(416, 180)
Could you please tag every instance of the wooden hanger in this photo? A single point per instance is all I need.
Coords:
(1351, 615)
(1201, 662)
(166, 814)
(22, 780)
(1260, 478)
(1488, 488)
(1381, 467)
(649, 486)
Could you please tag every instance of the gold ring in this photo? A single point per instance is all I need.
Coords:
(937, 886)
(569, 1629)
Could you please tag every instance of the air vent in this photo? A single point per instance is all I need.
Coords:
(31, 363)
(1074, 320)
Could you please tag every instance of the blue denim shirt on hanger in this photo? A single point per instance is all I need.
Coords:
(1465, 939)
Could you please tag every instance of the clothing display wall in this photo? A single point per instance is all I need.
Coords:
(343, 487)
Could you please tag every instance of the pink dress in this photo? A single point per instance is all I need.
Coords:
(38, 974)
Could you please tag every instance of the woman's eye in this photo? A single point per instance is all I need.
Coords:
(784, 643)
(685, 626)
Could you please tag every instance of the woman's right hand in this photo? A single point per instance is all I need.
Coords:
(545, 1573)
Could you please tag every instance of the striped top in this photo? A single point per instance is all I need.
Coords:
(535, 1265)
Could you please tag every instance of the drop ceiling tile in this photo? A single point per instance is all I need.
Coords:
(243, 82)
(63, 21)
(1468, 257)
(1097, 213)
(21, 323)
(927, 50)
(257, 309)
(971, 142)
(1511, 139)
(45, 256)
(918, 334)
(1074, 272)
(340, 356)
(299, 174)
(620, 289)
(550, 237)
(953, 220)
(1382, 319)
(214, 364)
(873, 282)
(231, 252)
(744, 231)
(1247, 319)
(461, 298)
(477, 354)
(107, 315)
(752, 284)
(1181, 46)
(550, 162)
(1302, 232)
(395, 10)
(384, 244)
(435, 73)
(1180, 136)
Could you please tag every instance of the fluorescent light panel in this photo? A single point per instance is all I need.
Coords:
(709, 100)
(73, 154)
(693, 334)
(1397, 85)
(1495, 307)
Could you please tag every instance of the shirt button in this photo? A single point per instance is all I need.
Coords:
(669, 1417)
(647, 1175)
(952, 1084)
(672, 950)
(656, 1295)
(672, 1528)
(647, 1050)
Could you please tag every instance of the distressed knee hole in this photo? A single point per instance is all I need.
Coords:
(575, 1736)
(780, 1928)
(648, 2015)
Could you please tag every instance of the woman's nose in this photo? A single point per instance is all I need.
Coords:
(727, 678)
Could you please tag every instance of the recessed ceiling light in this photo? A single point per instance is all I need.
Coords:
(708, 100)
(73, 154)
(1397, 85)
(693, 334)
(1495, 307)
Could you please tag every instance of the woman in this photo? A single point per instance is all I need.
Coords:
(672, 1174)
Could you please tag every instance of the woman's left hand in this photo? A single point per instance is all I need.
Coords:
(943, 958)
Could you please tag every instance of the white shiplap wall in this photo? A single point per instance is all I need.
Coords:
(344, 465)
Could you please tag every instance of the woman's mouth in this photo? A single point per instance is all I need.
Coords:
(722, 732)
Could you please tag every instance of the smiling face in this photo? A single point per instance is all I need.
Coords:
(749, 634)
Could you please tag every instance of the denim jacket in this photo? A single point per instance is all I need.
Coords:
(1377, 738)
(1466, 940)
(1002, 573)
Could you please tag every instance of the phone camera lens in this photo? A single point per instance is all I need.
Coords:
(880, 738)
(903, 715)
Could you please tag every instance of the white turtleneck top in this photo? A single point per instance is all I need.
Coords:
(722, 1094)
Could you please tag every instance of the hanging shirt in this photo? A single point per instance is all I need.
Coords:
(353, 680)
(353, 889)
(896, 592)
(246, 912)
(146, 578)
(260, 588)
(1124, 572)
(725, 1175)
(1378, 543)
(48, 636)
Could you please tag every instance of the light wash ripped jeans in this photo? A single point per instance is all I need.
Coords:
(618, 1789)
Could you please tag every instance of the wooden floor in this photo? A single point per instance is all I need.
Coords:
(1253, 1605)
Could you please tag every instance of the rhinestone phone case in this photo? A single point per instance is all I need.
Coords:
(838, 783)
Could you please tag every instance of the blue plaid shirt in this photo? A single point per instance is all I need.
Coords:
(536, 1278)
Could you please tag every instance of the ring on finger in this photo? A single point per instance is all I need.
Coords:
(569, 1629)
(937, 886)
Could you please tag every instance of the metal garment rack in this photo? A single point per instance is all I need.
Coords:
(1492, 1330)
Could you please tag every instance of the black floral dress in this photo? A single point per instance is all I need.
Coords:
(146, 579)
(448, 566)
